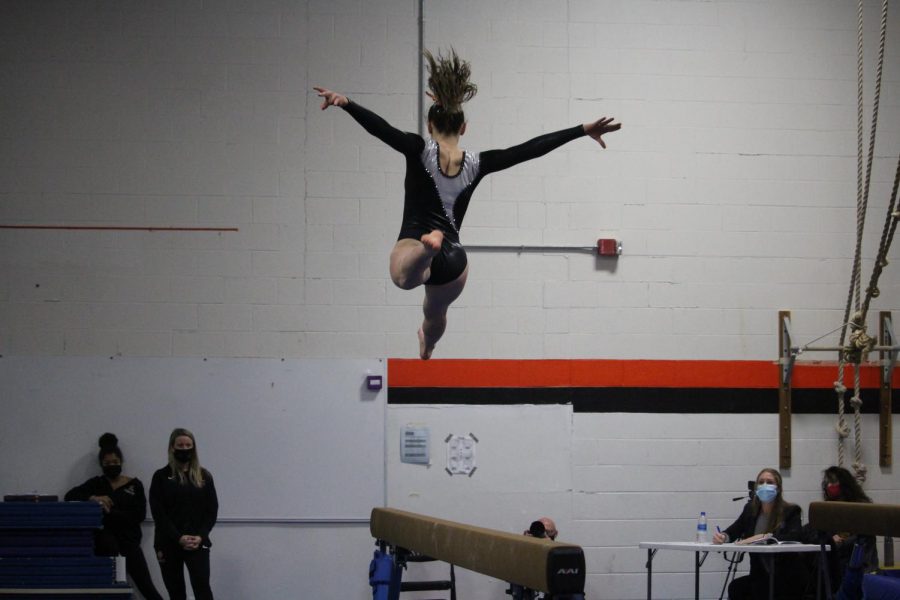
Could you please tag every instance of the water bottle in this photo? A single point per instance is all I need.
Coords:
(701, 529)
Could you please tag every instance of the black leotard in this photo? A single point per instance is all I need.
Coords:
(436, 201)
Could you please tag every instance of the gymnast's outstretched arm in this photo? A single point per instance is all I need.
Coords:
(401, 141)
(497, 160)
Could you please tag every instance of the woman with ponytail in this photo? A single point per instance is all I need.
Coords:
(185, 507)
(124, 508)
(840, 485)
(440, 180)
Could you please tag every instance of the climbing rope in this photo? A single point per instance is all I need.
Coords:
(859, 467)
(841, 425)
(860, 342)
(887, 237)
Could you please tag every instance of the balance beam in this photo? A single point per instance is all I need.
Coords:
(858, 517)
(538, 564)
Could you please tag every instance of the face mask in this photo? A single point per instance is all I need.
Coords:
(112, 471)
(833, 491)
(766, 492)
(183, 455)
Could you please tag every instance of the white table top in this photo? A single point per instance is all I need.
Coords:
(750, 548)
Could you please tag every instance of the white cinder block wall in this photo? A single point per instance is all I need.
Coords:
(732, 187)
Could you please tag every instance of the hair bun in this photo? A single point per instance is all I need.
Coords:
(108, 440)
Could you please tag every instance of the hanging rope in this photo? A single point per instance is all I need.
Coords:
(860, 342)
(860, 188)
(887, 237)
(859, 467)
(841, 426)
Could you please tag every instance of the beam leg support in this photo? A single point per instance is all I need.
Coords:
(384, 576)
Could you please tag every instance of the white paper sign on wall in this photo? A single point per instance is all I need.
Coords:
(414, 446)
(461, 454)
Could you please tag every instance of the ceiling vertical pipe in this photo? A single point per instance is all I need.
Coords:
(421, 69)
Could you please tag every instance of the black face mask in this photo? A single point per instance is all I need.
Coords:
(112, 471)
(183, 455)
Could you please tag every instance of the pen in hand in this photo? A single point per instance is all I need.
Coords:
(719, 537)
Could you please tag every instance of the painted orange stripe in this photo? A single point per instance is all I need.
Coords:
(474, 373)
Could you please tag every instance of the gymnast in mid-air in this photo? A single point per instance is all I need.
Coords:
(440, 179)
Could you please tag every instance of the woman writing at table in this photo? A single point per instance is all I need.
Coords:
(766, 515)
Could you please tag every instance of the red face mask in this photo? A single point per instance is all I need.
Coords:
(833, 491)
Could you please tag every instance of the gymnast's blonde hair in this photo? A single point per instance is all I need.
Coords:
(448, 81)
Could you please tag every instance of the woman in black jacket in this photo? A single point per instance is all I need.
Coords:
(185, 506)
(124, 508)
(839, 485)
(767, 515)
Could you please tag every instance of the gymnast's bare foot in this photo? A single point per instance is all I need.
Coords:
(432, 241)
(425, 350)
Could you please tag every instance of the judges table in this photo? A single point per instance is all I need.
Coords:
(768, 553)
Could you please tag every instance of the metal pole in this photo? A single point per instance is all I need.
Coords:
(527, 248)
(697, 575)
(801, 349)
(421, 69)
(292, 521)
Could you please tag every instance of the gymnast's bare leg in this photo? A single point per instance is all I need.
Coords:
(411, 259)
(411, 267)
(438, 299)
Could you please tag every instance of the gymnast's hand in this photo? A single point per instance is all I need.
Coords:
(331, 98)
(600, 127)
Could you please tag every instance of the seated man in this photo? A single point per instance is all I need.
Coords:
(542, 528)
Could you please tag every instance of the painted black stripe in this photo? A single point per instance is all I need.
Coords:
(643, 400)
